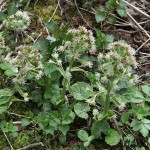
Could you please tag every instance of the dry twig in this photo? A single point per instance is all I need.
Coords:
(34, 145)
(81, 14)
(137, 9)
(138, 25)
(8, 141)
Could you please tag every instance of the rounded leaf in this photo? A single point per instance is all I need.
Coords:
(83, 135)
(81, 110)
(81, 90)
(112, 138)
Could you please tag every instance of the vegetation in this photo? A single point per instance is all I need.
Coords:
(69, 86)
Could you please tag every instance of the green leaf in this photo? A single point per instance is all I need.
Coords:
(51, 71)
(100, 16)
(90, 138)
(11, 9)
(52, 92)
(8, 126)
(100, 127)
(111, 5)
(5, 95)
(146, 121)
(112, 20)
(112, 138)
(3, 109)
(53, 28)
(146, 89)
(9, 69)
(81, 90)
(137, 125)
(86, 144)
(137, 100)
(83, 135)
(2, 16)
(42, 45)
(67, 116)
(129, 139)
(51, 39)
(140, 148)
(125, 117)
(109, 38)
(36, 95)
(138, 97)
(25, 122)
(64, 129)
(81, 110)
(121, 12)
(144, 131)
(62, 138)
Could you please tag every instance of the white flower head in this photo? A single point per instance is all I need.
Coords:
(59, 62)
(18, 21)
(55, 55)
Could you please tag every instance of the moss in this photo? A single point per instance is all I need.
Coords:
(44, 9)
(21, 140)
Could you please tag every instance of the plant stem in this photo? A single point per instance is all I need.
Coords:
(107, 100)
(65, 80)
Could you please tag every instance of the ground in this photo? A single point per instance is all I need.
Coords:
(81, 13)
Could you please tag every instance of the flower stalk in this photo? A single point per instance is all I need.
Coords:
(65, 79)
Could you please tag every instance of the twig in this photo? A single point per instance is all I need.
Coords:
(139, 26)
(3, 5)
(53, 13)
(60, 7)
(29, 36)
(87, 11)
(38, 36)
(35, 3)
(81, 14)
(43, 25)
(144, 53)
(137, 9)
(32, 146)
(144, 75)
(15, 114)
(27, 5)
(145, 63)
(8, 141)
(142, 45)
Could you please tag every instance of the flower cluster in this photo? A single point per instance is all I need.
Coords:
(123, 52)
(83, 39)
(18, 21)
(118, 62)
(28, 62)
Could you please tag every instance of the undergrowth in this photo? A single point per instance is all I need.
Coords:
(71, 87)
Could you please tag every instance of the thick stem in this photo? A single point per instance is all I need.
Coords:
(107, 100)
(65, 80)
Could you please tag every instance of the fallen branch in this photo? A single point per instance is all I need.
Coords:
(142, 45)
(138, 25)
(81, 15)
(53, 13)
(137, 9)
(34, 145)
(8, 141)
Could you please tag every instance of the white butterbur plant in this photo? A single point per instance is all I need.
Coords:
(18, 21)
(83, 40)
(117, 68)
(28, 62)
(118, 62)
